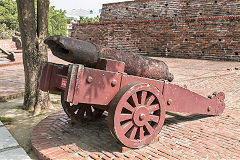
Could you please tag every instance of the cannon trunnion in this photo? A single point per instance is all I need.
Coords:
(136, 106)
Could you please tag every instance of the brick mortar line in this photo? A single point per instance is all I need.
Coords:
(219, 70)
(156, 150)
(53, 115)
(97, 155)
(220, 75)
(162, 20)
(193, 128)
(201, 135)
(10, 148)
(126, 2)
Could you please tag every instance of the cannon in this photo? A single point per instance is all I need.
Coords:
(136, 104)
(88, 54)
(6, 54)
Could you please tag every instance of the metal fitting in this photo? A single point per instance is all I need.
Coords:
(169, 102)
(114, 83)
(89, 79)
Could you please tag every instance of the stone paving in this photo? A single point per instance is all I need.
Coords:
(183, 136)
(11, 81)
(9, 147)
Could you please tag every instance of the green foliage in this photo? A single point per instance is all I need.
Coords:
(57, 22)
(5, 32)
(88, 20)
(8, 14)
(8, 18)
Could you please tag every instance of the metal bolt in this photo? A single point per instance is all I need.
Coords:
(209, 108)
(169, 102)
(89, 79)
(114, 83)
(142, 116)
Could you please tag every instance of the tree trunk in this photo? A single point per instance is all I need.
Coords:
(34, 50)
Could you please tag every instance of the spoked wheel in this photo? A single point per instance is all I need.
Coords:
(136, 114)
(81, 112)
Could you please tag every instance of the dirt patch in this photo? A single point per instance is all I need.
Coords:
(22, 122)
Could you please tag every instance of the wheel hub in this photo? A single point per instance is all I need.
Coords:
(141, 116)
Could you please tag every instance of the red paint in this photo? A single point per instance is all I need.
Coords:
(136, 114)
(183, 100)
(136, 106)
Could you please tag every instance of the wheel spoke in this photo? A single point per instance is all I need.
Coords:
(81, 111)
(89, 112)
(150, 100)
(135, 99)
(97, 112)
(128, 107)
(153, 108)
(141, 133)
(127, 126)
(73, 108)
(124, 117)
(143, 97)
(149, 128)
(154, 118)
(133, 133)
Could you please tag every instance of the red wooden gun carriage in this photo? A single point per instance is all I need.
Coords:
(136, 105)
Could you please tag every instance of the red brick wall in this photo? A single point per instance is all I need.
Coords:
(159, 9)
(206, 38)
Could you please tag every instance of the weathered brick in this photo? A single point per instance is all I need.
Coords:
(204, 38)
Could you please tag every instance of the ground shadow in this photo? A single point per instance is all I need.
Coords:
(178, 118)
(95, 136)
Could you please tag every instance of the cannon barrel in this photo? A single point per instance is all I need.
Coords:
(82, 52)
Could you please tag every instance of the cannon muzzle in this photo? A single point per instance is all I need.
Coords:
(73, 50)
(86, 53)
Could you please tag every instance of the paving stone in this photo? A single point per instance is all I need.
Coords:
(6, 139)
(14, 154)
